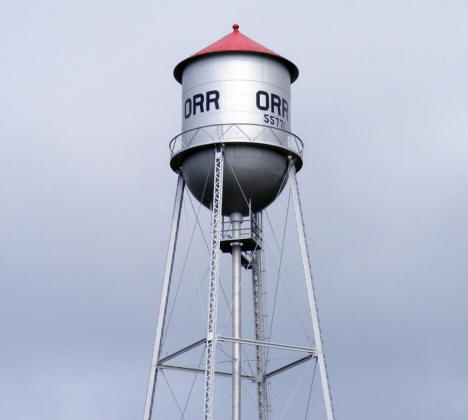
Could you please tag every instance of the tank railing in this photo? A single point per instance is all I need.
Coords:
(204, 131)
(180, 142)
(194, 134)
(259, 134)
(279, 141)
(224, 132)
(244, 133)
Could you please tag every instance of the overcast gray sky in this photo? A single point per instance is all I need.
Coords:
(87, 107)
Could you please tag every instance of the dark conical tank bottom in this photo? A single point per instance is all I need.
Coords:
(252, 173)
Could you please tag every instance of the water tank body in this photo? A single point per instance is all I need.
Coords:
(236, 93)
(235, 87)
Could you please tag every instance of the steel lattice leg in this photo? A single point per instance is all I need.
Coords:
(211, 339)
(310, 292)
(257, 284)
(164, 297)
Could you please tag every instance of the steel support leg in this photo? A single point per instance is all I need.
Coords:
(236, 220)
(310, 291)
(257, 285)
(164, 297)
(216, 221)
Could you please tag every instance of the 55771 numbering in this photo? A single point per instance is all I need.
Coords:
(272, 120)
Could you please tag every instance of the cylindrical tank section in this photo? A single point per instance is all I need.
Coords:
(237, 94)
(235, 87)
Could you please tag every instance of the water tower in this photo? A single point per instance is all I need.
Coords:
(236, 153)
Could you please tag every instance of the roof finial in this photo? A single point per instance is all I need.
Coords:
(235, 27)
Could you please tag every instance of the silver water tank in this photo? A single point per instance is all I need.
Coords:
(236, 93)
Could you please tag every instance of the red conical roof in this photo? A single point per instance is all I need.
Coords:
(235, 42)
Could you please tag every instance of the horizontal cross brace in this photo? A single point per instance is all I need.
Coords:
(182, 351)
(195, 370)
(251, 378)
(288, 366)
(267, 344)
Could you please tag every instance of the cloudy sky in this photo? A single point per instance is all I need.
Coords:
(88, 105)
